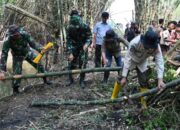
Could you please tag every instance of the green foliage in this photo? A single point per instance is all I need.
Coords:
(170, 72)
(2, 3)
(129, 118)
(160, 119)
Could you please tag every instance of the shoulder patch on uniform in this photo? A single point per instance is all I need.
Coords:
(132, 49)
(6, 38)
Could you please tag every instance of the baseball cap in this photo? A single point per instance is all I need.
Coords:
(150, 40)
(13, 29)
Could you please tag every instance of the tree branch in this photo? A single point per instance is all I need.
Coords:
(24, 12)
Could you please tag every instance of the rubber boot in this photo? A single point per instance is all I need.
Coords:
(70, 80)
(48, 82)
(81, 82)
(117, 87)
(106, 76)
(143, 99)
(15, 90)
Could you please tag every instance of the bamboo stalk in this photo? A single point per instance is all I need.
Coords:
(124, 41)
(169, 53)
(24, 12)
(56, 102)
(50, 74)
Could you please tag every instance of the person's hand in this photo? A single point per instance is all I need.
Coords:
(161, 84)
(43, 50)
(93, 45)
(104, 60)
(123, 81)
(85, 47)
(71, 57)
(90, 50)
(2, 76)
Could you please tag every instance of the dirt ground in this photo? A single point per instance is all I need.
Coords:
(17, 114)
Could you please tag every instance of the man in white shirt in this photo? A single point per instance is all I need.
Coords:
(140, 48)
(99, 32)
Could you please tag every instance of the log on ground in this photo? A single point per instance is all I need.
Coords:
(56, 102)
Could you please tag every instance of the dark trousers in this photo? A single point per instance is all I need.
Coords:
(17, 66)
(164, 49)
(142, 78)
(109, 57)
(80, 60)
(98, 56)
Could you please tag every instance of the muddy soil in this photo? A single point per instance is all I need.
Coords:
(17, 114)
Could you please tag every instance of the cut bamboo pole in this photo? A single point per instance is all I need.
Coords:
(50, 74)
(56, 102)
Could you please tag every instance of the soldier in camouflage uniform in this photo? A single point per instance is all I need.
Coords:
(78, 40)
(20, 43)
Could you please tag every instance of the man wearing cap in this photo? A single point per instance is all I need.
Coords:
(140, 48)
(132, 32)
(99, 32)
(78, 39)
(20, 43)
(111, 48)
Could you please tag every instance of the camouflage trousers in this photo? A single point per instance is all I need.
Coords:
(80, 59)
(17, 66)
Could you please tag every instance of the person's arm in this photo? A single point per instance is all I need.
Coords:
(127, 62)
(126, 68)
(173, 41)
(134, 45)
(32, 42)
(160, 67)
(126, 33)
(69, 44)
(171, 38)
(69, 41)
(88, 38)
(4, 55)
(103, 50)
(93, 45)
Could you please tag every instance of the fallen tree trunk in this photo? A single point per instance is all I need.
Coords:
(50, 74)
(56, 102)
(25, 13)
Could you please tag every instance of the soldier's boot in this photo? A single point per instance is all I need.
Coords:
(81, 82)
(106, 76)
(143, 99)
(117, 87)
(70, 80)
(48, 82)
(15, 90)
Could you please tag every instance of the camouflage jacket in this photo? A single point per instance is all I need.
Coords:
(19, 47)
(77, 36)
